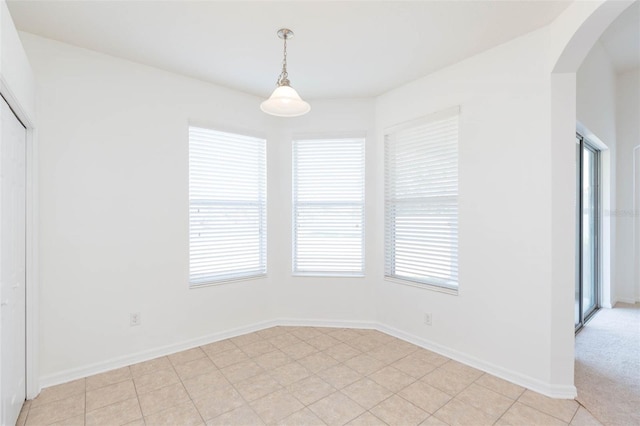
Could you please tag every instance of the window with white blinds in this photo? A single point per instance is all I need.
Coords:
(227, 206)
(328, 207)
(421, 201)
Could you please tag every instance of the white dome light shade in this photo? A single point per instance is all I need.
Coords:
(285, 102)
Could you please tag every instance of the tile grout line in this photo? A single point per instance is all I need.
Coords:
(61, 399)
(499, 393)
(219, 370)
(506, 411)
(234, 385)
(26, 417)
(184, 387)
(588, 411)
(510, 405)
(207, 355)
(247, 403)
(544, 412)
(304, 406)
(84, 412)
(361, 352)
(135, 388)
(419, 379)
(113, 403)
(415, 380)
(315, 374)
(452, 397)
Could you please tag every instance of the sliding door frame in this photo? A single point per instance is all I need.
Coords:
(582, 316)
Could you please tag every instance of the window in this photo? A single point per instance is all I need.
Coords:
(328, 207)
(421, 201)
(227, 206)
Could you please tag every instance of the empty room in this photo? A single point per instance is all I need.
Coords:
(320, 212)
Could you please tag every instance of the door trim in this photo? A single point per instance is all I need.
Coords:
(31, 221)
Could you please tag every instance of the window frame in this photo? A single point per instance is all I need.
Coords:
(426, 282)
(295, 271)
(260, 206)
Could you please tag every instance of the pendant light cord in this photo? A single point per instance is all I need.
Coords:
(283, 79)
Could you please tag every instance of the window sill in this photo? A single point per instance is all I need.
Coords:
(325, 275)
(226, 281)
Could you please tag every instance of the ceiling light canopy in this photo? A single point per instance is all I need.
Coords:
(285, 101)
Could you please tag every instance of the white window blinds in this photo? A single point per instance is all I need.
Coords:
(421, 201)
(227, 206)
(328, 207)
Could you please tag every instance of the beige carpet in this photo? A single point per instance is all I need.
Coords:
(607, 371)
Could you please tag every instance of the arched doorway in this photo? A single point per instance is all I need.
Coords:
(573, 35)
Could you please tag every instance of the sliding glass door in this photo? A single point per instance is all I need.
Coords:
(588, 226)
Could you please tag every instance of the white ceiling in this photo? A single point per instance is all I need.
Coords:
(622, 39)
(340, 49)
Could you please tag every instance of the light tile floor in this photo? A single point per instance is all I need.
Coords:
(299, 376)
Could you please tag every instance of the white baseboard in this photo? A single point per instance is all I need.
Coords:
(553, 391)
(122, 361)
(629, 300)
(327, 323)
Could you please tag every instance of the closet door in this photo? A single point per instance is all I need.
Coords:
(12, 264)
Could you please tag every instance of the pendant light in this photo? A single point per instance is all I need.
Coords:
(285, 101)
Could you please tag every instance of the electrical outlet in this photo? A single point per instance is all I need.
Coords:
(427, 318)
(134, 319)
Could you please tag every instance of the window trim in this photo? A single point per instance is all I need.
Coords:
(424, 119)
(427, 119)
(329, 136)
(264, 212)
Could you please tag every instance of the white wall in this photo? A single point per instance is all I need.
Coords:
(113, 217)
(608, 109)
(18, 87)
(501, 319)
(596, 95)
(17, 83)
(627, 212)
(114, 143)
(596, 116)
(113, 183)
(572, 35)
